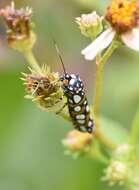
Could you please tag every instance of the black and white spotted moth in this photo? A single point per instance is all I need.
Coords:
(77, 102)
(76, 99)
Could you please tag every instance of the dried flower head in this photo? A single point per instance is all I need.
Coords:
(45, 89)
(19, 32)
(90, 24)
(77, 141)
(123, 17)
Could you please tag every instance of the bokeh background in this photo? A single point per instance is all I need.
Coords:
(31, 154)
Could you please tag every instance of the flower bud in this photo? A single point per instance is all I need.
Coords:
(116, 173)
(19, 31)
(77, 142)
(90, 24)
(45, 90)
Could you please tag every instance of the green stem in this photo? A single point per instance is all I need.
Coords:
(102, 138)
(98, 85)
(32, 61)
(134, 137)
(95, 152)
(109, 52)
(100, 62)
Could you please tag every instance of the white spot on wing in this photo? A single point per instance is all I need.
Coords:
(81, 116)
(87, 108)
(83, 128)
(77, 85)
(77, 108)
(72, 81)
(77, 98)
(90, 124)
(71, 101)
(81, 121)
(70, 88)
(85, 102)
(73, 76)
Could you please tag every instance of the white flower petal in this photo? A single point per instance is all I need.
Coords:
(102, 42)
(131, 39)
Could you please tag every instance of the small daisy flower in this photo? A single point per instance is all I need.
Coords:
(123, 17)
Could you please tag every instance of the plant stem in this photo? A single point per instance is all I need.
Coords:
(98, 85)
(100, 62)
(32, 61)
(96, 153)
(102, 138)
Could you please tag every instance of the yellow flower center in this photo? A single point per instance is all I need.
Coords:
(123, 15)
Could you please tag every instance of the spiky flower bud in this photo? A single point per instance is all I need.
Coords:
(45, 89)
(77, 142)
(19, 31)
(90, 24)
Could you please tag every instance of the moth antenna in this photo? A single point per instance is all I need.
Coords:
(59, 55)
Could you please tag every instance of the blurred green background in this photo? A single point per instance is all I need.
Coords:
(31, 154)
